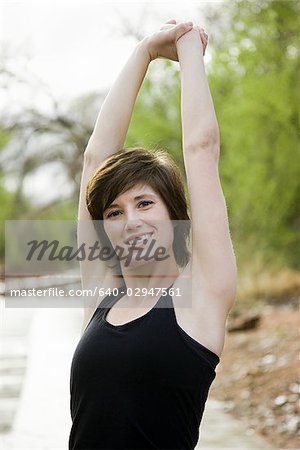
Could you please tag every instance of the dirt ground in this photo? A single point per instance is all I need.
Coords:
(259, 377)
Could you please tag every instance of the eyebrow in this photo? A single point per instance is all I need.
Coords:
(138, 197)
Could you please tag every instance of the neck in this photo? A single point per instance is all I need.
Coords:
(151, 275)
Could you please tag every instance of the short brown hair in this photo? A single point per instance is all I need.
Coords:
(131, 166)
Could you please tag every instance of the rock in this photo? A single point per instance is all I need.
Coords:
(281, 400)
(293, 424)
(267, 360)
(243, 322)
(295, 388)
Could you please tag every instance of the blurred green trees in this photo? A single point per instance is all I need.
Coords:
(255, 81)
(253, 72)
(254, 78)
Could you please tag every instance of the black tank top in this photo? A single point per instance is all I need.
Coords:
(140, 385)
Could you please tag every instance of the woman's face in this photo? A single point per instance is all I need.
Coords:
(136, 219)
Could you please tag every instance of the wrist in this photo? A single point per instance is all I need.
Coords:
(144, 47)
(190, 42)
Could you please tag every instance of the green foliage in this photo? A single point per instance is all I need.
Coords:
(254, 80)
(64, 210)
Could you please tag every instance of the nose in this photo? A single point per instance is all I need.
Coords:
(132, 220)
(132, 224)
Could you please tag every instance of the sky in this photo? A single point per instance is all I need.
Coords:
(76, 46)
(73, 47)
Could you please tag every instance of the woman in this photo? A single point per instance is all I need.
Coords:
(142, 369)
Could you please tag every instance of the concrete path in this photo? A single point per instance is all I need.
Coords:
(42, 420)
(219, 430)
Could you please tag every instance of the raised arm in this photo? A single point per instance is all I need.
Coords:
(113, 120)
(115, 114)
(213, 258)
(109, 136)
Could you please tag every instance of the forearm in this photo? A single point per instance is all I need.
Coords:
(114, 118)
(199, 122)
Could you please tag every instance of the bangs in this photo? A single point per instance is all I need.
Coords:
(114, 189)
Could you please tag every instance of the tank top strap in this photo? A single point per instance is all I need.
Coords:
(107, 302)
(165, 301)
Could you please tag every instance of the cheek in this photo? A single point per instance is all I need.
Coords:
(109, 232)
(113, 231)
(166, 233)
(161, 213)
(106, 230)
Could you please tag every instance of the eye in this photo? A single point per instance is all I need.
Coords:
(113, 214)
(147, 202)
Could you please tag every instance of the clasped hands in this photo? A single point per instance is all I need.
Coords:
(163, 43)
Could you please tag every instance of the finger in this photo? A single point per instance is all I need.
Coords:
(171, 21)
(182, 28)
(204, 36)
(204, 41)
(167, 27)
(168, 24)
(203, 32)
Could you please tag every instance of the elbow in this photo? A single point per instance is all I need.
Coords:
(91, 157)
(206, 140)
(89, 153)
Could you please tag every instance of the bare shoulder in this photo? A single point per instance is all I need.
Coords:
(199, 311)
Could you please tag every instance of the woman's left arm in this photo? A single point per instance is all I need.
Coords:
(213, 258)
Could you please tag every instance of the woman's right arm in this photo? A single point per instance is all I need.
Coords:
(108, 137)
(113, 120)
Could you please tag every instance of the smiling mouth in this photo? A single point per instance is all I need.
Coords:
(139, 241)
